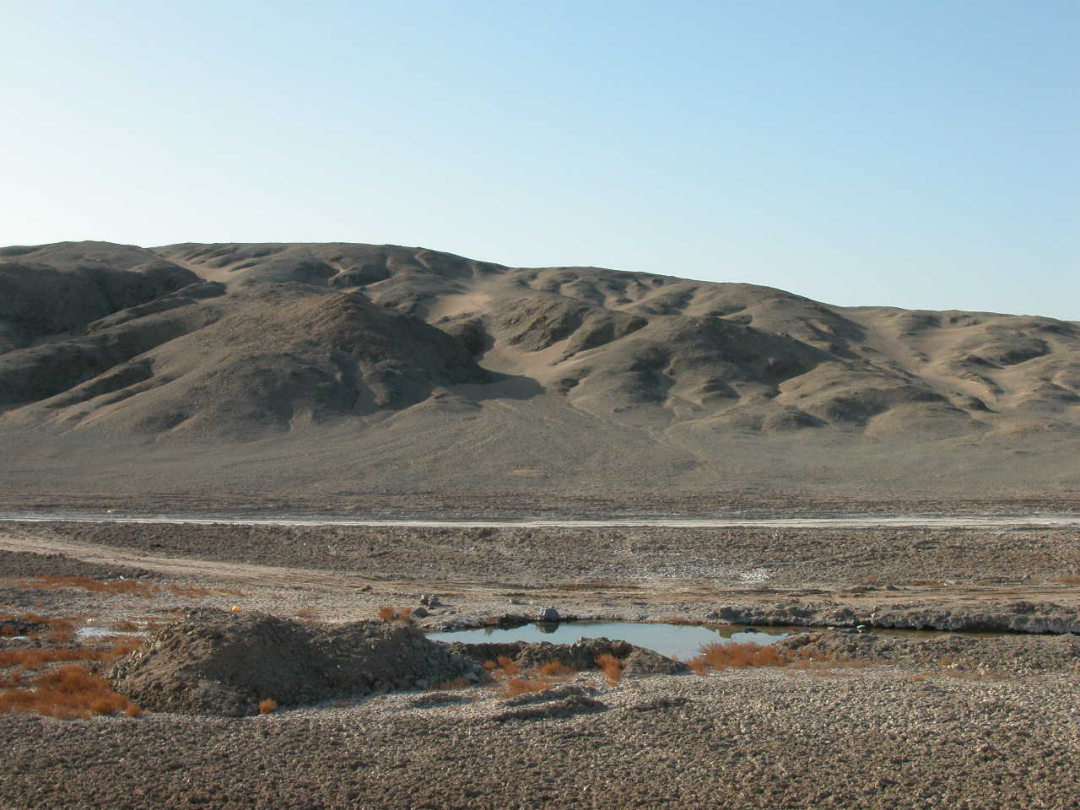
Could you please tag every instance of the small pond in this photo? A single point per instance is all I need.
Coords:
(683, 641)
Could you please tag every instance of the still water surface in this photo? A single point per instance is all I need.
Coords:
(679, 640)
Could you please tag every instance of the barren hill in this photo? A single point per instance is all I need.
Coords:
(335, 370)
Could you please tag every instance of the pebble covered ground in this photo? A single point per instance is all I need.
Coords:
(958, 724)
(776, 738)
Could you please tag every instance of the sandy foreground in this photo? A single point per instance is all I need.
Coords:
(950, 722)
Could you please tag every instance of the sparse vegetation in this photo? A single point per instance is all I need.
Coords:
(556, 669)
(67, 692)
(120, 587)
(717, 656)
(128, 587)
(611, 666)
(519, 686)
(392, 614)
(37, 657)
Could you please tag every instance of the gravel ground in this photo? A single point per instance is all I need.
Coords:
(28, 564)
(733, 558)
(875, 738)
(953, 722)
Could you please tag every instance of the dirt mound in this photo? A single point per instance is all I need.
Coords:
(224, 664)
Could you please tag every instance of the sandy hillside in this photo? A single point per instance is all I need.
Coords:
(332, 371)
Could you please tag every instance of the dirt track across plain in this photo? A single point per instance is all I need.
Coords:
(836, 522)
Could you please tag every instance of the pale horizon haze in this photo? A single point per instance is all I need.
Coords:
(912, 154)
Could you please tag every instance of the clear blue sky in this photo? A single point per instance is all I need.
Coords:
(917, 154)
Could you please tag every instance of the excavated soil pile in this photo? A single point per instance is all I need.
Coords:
(224, 664)
(580, 655)
(1012, 653)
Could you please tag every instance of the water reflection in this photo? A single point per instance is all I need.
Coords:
(683, 641)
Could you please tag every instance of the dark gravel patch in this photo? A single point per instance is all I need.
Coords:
(28, 564)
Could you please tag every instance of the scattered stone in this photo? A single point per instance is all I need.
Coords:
(549, 614)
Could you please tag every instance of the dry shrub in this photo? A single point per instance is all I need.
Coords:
(503, 667)
(37, 657)
(554, 669)
(127, 587)
(305, 613)
(122, 647)
(392, 614)
(60, 631)
(519, 686)
(68, 692)
(7, 630)
(748, 654)
(611, 667)
(124, 626)
(1067, 579)
(268, 706)
(737, 656)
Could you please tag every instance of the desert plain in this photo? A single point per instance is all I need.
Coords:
(325, 384)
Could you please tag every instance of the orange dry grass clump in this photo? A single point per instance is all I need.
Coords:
(555, 669)
(737, 656)
(391, 614)
(611, 667)
(268, 706)
(503, 666)
(60, 630)
(36, 657)
(68, 692)
(519, 686)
